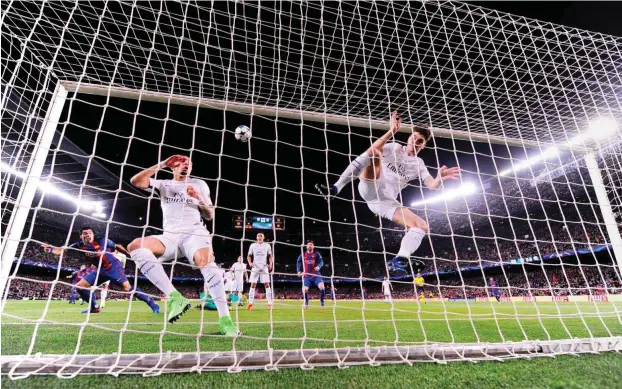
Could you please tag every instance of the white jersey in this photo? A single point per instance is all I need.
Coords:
(229, 277)
(238, 270)
(180, 212)
(260, 253)
(386, 287)
(398, 169)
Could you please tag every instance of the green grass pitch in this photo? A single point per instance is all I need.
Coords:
(373, 323)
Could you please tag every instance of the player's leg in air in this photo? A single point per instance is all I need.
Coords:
(144, 252)
(104, 294)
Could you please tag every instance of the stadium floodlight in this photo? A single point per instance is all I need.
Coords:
(465, 189)
(598, 129)
(100, 215)
(49, 189)
(551, 152)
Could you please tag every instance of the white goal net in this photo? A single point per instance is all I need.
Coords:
(523, 256)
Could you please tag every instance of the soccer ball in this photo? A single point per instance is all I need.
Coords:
(243, 133)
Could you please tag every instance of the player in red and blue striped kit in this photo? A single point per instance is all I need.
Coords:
(308, 267)
(100, 248)
(494, 288)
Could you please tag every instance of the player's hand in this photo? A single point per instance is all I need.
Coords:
(174, 160)
(317, 268)
(445, 173)
(299, 274)
(193, 192)
(269, 267)
(395, 122)
(46, 248)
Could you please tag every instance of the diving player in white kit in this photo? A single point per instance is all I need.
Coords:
(384, 170)
(185, 203)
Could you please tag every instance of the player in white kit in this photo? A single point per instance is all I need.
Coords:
(260, 260)
(185, 203)
(239, 275)
(228, 281)
(386, 290)
(384, 170)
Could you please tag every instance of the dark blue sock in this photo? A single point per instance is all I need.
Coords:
(72, 299)
(141, 296)
(86, 296)
(306, 298)
(322, 294)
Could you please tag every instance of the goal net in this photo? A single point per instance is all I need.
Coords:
(523, 255)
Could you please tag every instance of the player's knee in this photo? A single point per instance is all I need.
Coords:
(424, 226)
(202, 258)
(135, 244)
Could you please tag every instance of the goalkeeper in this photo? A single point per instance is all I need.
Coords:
(207, 302)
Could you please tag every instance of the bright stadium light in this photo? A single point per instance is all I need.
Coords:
(602, 128)
(598, 129)
(546, 154)
(462, 191)
(100, 215)
(49, 189)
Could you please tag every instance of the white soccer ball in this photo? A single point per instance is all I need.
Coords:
(243, 133)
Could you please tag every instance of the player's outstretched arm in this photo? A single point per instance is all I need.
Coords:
(122, 249)
(141, 180)
(444, 173)
(394, 127)
(51, 249)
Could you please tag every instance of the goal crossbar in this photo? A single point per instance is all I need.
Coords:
(171, 362)
(296, 114)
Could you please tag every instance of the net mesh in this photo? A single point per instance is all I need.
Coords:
(534, 221)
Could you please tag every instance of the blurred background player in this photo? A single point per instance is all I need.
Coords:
(106, 285)
(76, 276)
(228, 281)
(419, 280)
(239, 275)
(185, 202)
(308, 266)
(422, 298)
(494, 288)
(384, 170)
(260, 260)
(110, 269)
(386, 290)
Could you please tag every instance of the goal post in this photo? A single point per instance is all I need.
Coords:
(523, 257)
(31, 181)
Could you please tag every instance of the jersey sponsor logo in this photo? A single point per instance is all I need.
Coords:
(179, 197)
(399, 169)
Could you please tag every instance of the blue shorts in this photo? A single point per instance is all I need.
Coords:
(495, 293)
(115, 275)
(312, 281)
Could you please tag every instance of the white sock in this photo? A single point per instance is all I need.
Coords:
(251, 295)
(389, 298)
(353, 171)
(103, 295)
(269, 295)
(216, 288)
(240, 297)
(153, 270)
(411, 242)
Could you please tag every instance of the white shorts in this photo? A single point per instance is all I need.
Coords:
(184, 244)
(260, 273)
(237, 285)
(377, 200)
